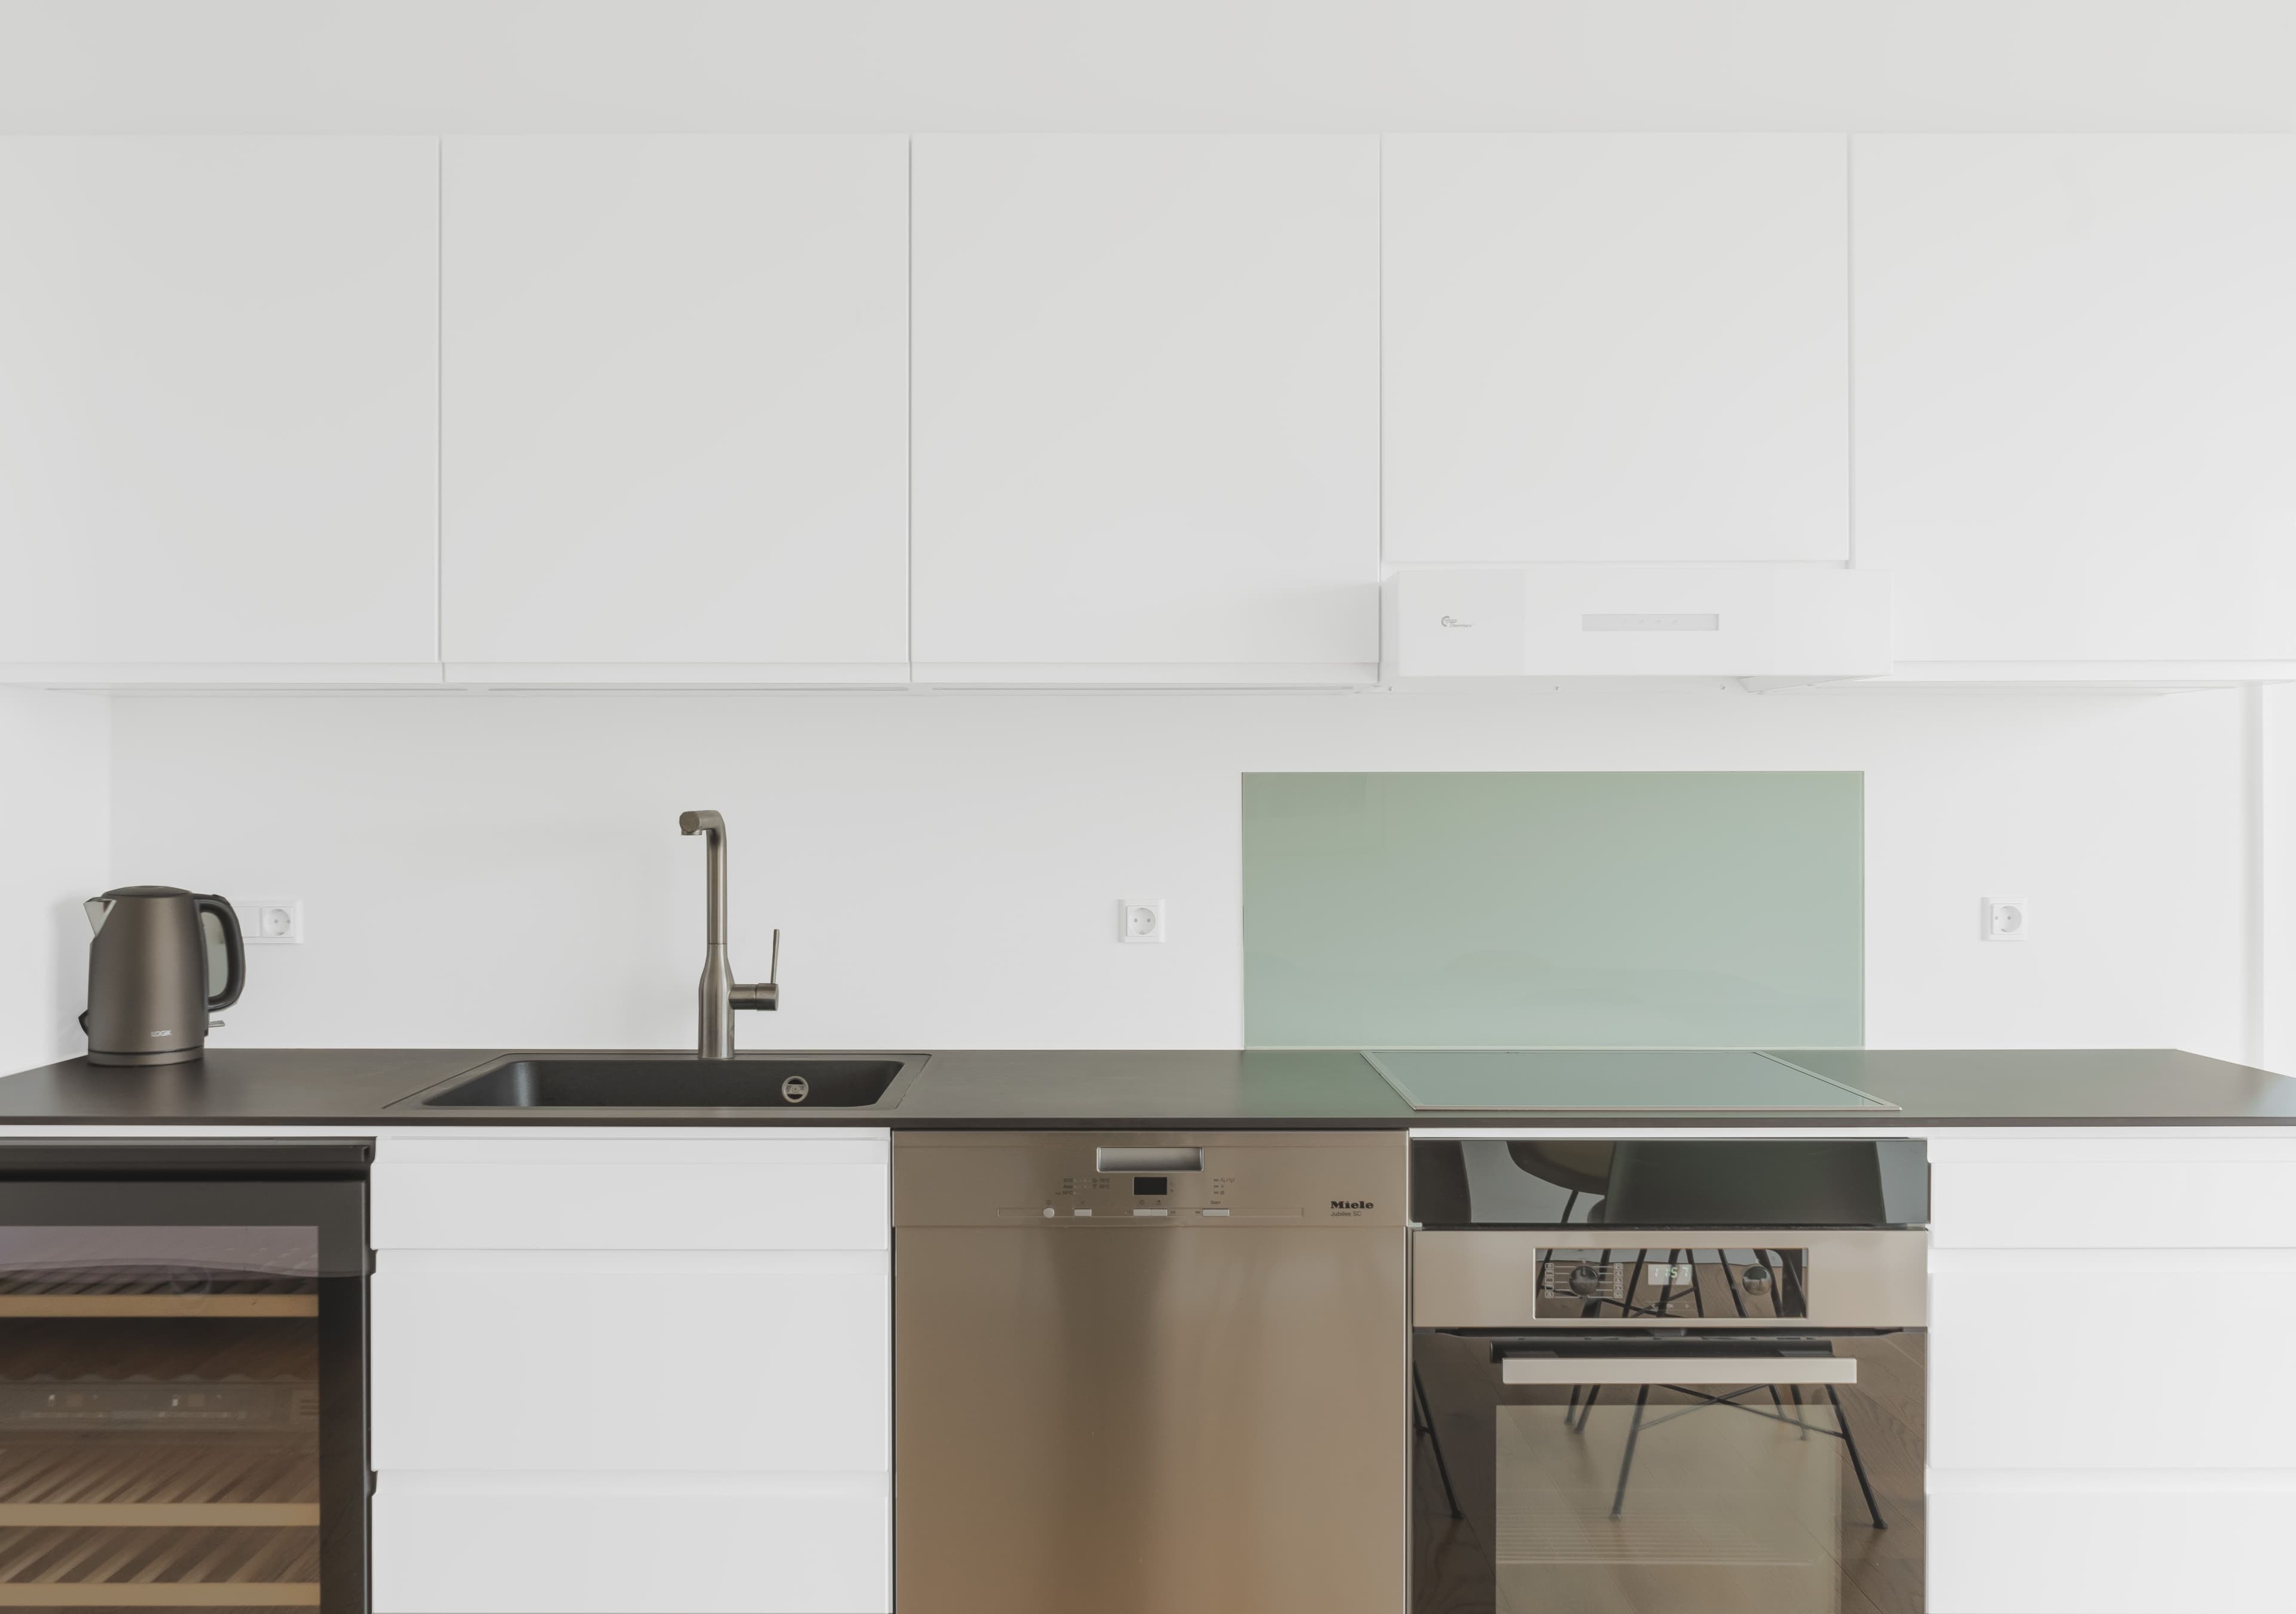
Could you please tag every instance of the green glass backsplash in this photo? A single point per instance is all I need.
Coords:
(1674, 910)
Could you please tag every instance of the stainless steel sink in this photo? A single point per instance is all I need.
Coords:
(679, 1081)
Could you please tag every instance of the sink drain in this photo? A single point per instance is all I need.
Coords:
(795, 1088)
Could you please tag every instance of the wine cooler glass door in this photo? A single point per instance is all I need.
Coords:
(181, 1396)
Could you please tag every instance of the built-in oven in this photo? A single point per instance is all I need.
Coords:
(182, 1375)
(1668, 1375)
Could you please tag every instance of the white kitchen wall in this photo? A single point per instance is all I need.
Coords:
(488, 870)
(2272, 830)
(55, 831)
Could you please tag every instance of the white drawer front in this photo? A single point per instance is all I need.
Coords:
(789, 1203)
(2142, 1195)
(2111, 1360)
(655, 1361)
(2145, 1549)
(604, 1546)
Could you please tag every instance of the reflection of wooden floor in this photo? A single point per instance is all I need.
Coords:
(1724, 1511)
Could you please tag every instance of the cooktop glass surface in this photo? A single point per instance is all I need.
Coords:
(1609, 1078)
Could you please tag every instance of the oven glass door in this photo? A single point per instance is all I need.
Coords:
(1694, 1474)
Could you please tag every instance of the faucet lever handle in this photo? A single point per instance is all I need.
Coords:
(774, 969)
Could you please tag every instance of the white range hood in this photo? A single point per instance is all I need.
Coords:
(1771, 625)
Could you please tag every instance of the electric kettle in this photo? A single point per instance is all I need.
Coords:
(149, 975)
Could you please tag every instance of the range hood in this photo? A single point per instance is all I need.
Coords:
(1770, 625)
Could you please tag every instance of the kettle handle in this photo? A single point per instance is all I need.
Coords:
(234, 947)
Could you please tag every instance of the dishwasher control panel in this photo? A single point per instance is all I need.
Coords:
(1161, 1181)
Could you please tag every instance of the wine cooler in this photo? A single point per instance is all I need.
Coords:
(183, 1365)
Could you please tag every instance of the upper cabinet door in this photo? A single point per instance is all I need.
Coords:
(1146, 407)
(675, 409)
(1617, 347)
(2076, 394)
(218, 407)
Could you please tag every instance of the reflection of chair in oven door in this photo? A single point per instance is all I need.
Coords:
(1654, 1182)
(1750, 1370)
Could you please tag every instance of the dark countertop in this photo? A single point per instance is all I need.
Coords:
(1171, 1091)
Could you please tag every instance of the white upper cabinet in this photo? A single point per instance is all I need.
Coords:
(676, 441)
(218, 408)
(1617, 347)
(1146, 408)
(2076, 394)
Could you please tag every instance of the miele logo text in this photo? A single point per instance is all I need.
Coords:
(1352, 1205)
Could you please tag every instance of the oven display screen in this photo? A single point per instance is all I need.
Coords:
(1661, 1286)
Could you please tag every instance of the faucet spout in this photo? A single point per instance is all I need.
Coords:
(721, 995)
(711, 828)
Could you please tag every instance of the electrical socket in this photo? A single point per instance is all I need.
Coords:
(1140, 921)
(2007, 919)
(270, 920)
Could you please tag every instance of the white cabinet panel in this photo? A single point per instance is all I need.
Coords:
(651, 1360)
(2075, 390)
(1617, 347)
(2111, 1360)
(631, 1545)
(2205, 1194)
(786, 1193)
(795, 1206)
(218, 405)
(2127, 1547)
(1146, 408)
(675, 409)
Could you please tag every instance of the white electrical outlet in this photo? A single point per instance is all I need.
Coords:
(1140, 920)
(2007, 918)
(269, 919)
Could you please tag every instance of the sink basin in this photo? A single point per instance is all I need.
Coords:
(678, 1081)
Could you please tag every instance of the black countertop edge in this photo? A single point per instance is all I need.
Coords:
(1200, 1090)
(1526, 1120)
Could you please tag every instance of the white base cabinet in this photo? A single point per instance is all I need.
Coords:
(465, 1544)
(632, 1375)
(2109, 1427)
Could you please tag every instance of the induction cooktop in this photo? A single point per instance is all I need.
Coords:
(1610, 1078)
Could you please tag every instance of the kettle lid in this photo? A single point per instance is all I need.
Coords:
(148, 891)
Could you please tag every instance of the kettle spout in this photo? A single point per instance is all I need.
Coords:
(98, 909)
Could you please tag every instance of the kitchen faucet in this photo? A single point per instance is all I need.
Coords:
(721, 995)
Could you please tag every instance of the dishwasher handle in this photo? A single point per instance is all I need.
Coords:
(1116, 1162)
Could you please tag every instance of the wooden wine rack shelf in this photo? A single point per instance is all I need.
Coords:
(159, 1306)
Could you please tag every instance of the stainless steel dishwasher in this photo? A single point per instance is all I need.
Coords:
(1150, 1374)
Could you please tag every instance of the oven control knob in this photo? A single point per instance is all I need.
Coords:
(1756, 1280)
(1586, 1282)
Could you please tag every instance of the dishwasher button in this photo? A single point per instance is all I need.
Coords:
(1211, 1213)
(1084, 1212)
(1138, 1211)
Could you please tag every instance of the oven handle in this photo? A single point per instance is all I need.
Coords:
(1678, 1369)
